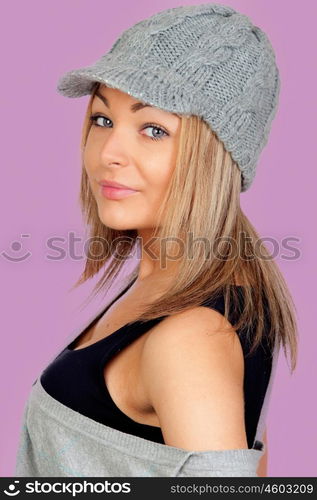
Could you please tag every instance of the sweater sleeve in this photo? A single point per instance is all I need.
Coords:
(220, 463)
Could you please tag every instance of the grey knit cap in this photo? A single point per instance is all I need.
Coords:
(206, 60)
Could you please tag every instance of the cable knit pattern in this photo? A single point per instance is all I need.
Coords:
(207, 60)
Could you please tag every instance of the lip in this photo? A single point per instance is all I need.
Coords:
(114, 184)
(114, 193)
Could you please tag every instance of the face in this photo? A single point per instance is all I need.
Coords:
(135, 147)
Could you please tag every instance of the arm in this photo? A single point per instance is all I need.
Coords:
(193, 375)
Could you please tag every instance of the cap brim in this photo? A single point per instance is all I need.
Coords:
(78, 83)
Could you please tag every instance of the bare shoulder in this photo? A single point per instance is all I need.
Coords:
(192, 370)
(203, 328)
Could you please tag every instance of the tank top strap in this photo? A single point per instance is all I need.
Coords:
(264, 355)
(265, 406)
(129, 332)
(77, 331)
(124, 336)
(217, 302)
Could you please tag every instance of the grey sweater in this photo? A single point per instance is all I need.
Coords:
(57, 441)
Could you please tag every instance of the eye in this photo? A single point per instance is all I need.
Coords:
(159, 132)
(94, 119)
(156, 128)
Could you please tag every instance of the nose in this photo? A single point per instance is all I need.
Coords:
(114, 150)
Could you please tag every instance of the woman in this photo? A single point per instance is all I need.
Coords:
(174, 376)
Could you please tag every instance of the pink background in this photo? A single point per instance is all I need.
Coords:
(39, 198)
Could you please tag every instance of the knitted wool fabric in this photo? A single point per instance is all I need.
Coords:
(207, 60)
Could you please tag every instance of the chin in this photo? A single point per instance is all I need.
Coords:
(118, 227)
(113, 225)
(114, 222)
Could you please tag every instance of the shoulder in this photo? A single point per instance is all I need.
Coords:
(204, 326)
(192, 371)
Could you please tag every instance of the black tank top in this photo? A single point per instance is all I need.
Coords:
(76, 377)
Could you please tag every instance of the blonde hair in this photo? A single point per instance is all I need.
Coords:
(203, 199)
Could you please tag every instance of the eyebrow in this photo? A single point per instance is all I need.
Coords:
(134, 107)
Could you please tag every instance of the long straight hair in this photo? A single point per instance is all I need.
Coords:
(202, 203)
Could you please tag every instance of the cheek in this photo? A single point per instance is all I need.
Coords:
(159, 172)
(90, 156)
